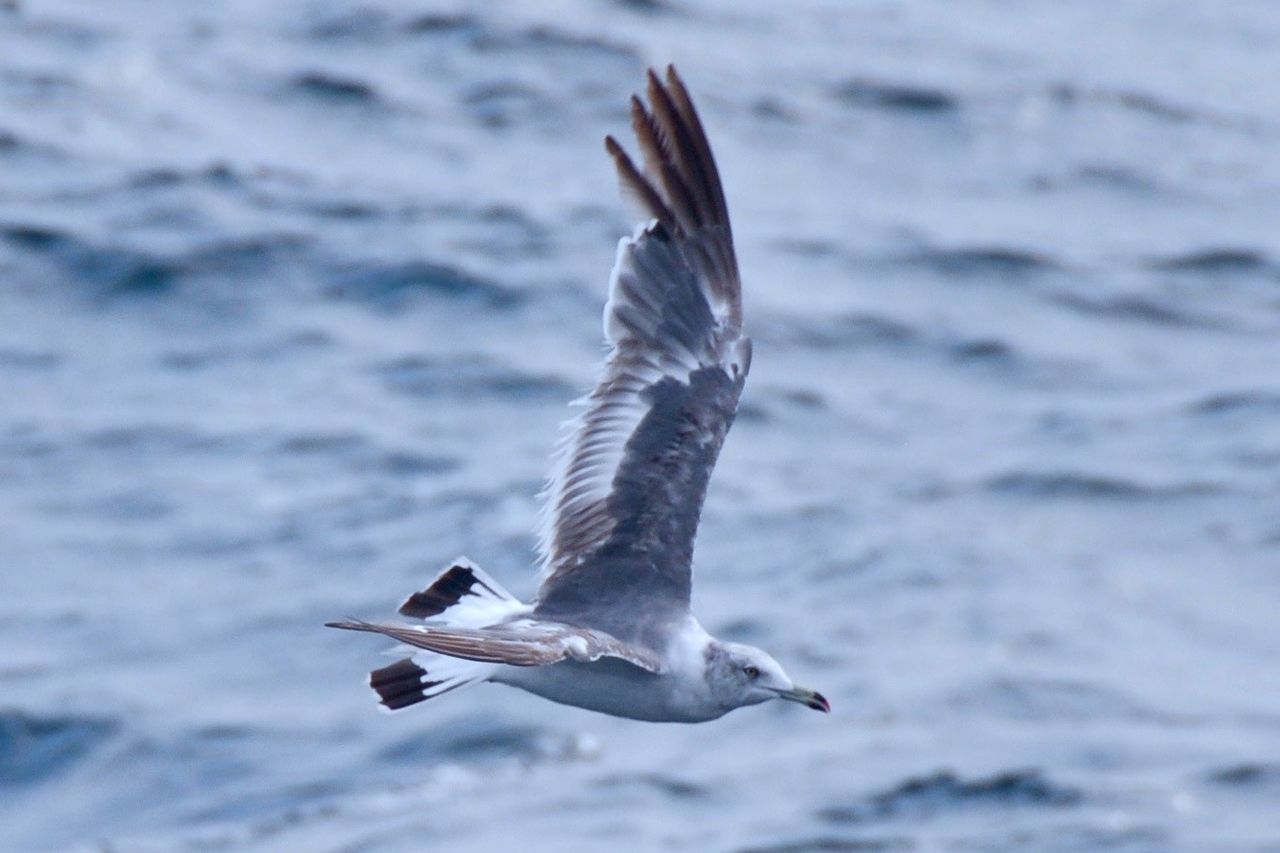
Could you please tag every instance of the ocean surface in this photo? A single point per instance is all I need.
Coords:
(293, 296)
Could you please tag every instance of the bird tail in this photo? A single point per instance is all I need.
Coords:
(424, 676)
(451, 651)
(463, 595)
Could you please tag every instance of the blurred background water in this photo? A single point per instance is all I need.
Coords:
(293, 296)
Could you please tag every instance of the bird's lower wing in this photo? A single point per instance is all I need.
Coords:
(524, 643)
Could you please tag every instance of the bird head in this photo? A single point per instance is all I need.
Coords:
(740, 675)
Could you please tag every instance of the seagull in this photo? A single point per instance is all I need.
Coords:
(611, 628)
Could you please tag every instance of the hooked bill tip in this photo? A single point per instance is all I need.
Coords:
(818, 702)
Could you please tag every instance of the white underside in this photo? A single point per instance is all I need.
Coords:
(610, 685)
(613, 687)
(678, 694)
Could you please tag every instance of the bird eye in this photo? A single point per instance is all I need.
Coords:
(751, 671)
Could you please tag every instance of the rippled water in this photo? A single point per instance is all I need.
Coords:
(294, 295)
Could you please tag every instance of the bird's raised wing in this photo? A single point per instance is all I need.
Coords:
(624, 501)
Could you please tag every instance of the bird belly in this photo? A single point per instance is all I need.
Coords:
(615, 687)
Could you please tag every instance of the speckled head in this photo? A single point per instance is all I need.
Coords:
(740, 675)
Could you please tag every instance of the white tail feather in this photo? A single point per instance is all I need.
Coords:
(424, 676)
(463, 595)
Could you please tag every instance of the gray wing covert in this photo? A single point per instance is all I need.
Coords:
(624, 502)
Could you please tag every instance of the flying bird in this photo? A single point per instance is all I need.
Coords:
(611, 628)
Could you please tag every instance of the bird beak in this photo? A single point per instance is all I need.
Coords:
(809, 698)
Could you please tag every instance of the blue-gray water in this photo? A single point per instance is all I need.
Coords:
(293, 296)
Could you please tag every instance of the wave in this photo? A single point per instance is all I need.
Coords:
(155, 441)
(16, 146)
(1135, 308)
(892, 95)
(1252, 776)
(551, 39)
(1114, 176)
(37, 238)
(987, 350)
(1234, 402)
(1078, 485)
(972, 260)
(363, 455)
(650, 7)
(669, 786)
(1218, 260)
(34, 748)
(503, 103)
(945, 790)
(832, 844)
(473, 740)
(850, 330)
(469, 378)
(302, 342)
(1151, 106)
(39, 85)
(771, 401)
(388, 284)
(216, 173)
(112, 271)
(152, 439)
(966, 261)
(1142, 102)
(442, 22)
(335, 88)
(478, 33)
(980, 260)
(855, 331)
(19, 358)
(1052, 700)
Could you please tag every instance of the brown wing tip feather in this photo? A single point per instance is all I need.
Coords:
(636, 185)
(680, 185)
